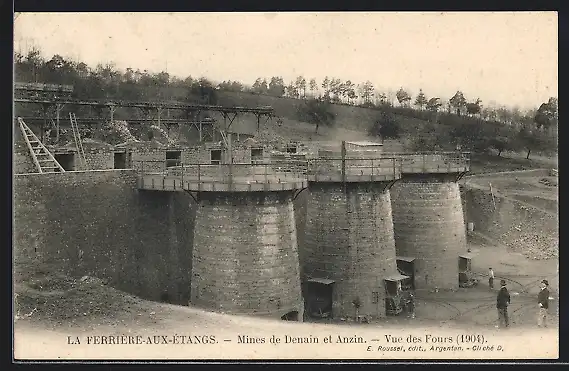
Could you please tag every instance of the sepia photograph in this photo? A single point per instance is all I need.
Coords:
(273, 186)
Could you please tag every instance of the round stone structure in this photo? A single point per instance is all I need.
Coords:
(349, 241)
(245, 258)
(428, 223)
(245, 252)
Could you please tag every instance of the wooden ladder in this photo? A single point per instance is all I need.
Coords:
(43, 159)
(77, 138)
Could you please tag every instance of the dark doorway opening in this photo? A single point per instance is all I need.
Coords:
(173, 158)
(256, 155)
(66, 160)
(319, 297)
(215, 156)
(465, 276)
(291, 149)
(394, 295)
(290, 316)
(164, 297)
(120, 160)
(406, 266)
(464, 263)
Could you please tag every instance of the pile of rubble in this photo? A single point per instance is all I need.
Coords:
(548, 182)
(114, 132)
(160, 135)
(535, 246)
(266, 136)
(71, 300)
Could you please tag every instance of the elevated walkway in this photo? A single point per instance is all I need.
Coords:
(221, 178)
(432, 162)
(279, 175)
(353, 170)
(375, 166)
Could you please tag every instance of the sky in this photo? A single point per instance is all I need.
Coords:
(503, 58)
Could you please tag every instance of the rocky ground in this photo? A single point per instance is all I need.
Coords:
(528, 218)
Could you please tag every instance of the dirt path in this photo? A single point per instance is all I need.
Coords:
(550, 161)
(507, 195)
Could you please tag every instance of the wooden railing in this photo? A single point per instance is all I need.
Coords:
(207, 175)
(353, 169)
(387, 167)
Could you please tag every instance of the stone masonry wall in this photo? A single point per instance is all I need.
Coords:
(300, 205)
(195, 155)
(349, 239)
(245, 254)
(23, 164)
(99, 159)
(22, 161)
(151, 159)
(97, 223)
(429, 225)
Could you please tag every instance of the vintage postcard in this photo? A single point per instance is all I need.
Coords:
(285, 186)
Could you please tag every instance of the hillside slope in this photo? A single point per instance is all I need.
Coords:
(351, 123)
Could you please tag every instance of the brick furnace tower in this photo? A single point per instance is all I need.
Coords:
(427, 217)
(349, 250)
(245, 254)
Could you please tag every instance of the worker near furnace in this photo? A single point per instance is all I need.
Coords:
(543, 303)
(502, 302)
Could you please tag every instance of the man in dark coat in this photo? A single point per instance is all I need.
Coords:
(411, 304)
(502, 302)
(543, 302)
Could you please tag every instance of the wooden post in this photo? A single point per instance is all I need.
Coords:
(344, 164)
(158, 112)
(58, 108)
(266, 185)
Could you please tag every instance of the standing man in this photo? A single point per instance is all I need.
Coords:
(502, 302)
(411, 304)
(543, 302)
(491, 279)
